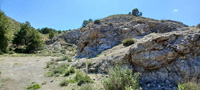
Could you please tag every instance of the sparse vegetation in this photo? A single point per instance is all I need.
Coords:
(64, 58)
(128, 42)
(81, 79)
(56, 70)
(87, 87)
(120, 79)
(188, 86)
(70, 71)
(64, 83)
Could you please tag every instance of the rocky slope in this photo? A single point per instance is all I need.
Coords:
(163, 60)
(166, 52)
(95, 38)
(166, 59)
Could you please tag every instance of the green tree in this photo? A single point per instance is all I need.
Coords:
(46, 30)
(90, 20)
(51, 34)
(23, 36)
(35, 43)
(28, 38)
(5, 33)
(136, 12)
(85, 22)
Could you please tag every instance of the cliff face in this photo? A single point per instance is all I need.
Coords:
(96, 38)
(166, 59)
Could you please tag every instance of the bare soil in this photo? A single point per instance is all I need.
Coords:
(17, 73)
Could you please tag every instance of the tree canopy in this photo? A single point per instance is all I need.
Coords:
(28, 38)
(5, 33)
(136, 12)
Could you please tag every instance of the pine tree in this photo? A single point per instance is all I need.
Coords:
(5, 33)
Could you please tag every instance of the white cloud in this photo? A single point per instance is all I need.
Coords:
(175, 10)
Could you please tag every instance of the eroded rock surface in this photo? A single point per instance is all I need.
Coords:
(166, 59)
(72, 36)
(113, 30)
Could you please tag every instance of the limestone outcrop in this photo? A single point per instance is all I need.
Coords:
(96, 38)
(166, 59)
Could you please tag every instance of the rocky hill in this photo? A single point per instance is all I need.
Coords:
(95, 38)
(166, 52)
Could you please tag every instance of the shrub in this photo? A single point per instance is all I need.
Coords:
(128, 42)
(51, 34)
(57, 70)
(87, 87)
(70, 71)
(188, 86)
(34, 87)
(79, 75)
(120, 79)
(64, 83)
(110, 24)
(81, 79)
(84, 80)
(89, 63)
(50, 63)
(198, 26)
(61, 68)
(97, 21)
(72, 81)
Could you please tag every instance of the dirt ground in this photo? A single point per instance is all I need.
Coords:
(17, 73)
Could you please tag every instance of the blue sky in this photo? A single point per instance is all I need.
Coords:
(69, 14)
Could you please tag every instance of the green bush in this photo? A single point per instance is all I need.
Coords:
(51, 34)
(57, 70)
(61, 68)
(64, 83)
(198, 26)
(188, 86)
(72, 81)
(34, 87)
(120, 79)
(81, 79)
(87, 87)
(97, 21)
(128, 42)
(79, 75)
(70, 71)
